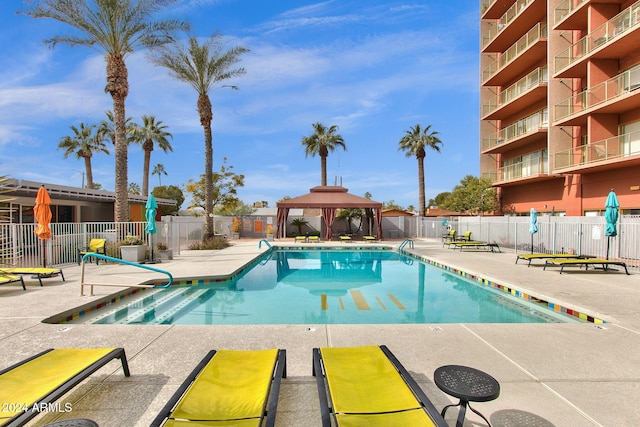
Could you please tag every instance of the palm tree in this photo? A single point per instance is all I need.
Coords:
(108, 128)
(84, 143)
(321, 142)
(118, 28)
(134, 188)
(414, 142)
(150, 132)
(203, 66)
(159, 170)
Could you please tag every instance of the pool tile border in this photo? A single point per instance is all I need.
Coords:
(91, 307)
(558, 308)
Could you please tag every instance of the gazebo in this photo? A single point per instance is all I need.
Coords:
(328, 198)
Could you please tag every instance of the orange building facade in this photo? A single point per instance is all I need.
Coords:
(560, 104)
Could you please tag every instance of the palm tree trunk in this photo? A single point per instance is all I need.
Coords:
(421, 198)
(323, 167)
(206, 116)
(87, 167)
(148, 148)
(118, 88)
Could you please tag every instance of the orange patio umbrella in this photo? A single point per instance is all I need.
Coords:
(42, 211)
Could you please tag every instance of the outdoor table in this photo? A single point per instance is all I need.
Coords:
(468, 385)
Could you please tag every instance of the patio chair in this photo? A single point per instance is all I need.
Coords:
(466, 237)
(450, 236)
(45, 377)
(369, 386)
(11, 278)
(229, 387)
(96, 246)
(531, 257)
(603, 263)
(39, 272)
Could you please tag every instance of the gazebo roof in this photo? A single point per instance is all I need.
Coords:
(329, 197)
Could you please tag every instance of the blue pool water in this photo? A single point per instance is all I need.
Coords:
(332, 287)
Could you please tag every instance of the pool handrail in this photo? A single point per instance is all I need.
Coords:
(404, 243)
(121, 261)
(266, 242)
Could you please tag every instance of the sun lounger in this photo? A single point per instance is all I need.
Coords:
(314, 239)
(11, 278)
(466, 237)
(476, 244)
(228, 387)
(345, 239)
(45, 377)
(96, 246)
(302, 239)
(451, 235)
(603, 263)
(368, 386)
(39, 272)
(531, 257)
(370, 239)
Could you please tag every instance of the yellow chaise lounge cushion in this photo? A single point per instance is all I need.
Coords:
(365, 386)
(30, 382)
(232, 386)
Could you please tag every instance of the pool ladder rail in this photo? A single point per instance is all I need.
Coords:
(404, 243)
(266, 242)
(121, 261)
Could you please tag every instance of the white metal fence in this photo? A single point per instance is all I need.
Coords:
(580, 235)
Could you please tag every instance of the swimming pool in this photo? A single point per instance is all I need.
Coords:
(329, 287)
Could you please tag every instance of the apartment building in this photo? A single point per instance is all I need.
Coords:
(559, 105)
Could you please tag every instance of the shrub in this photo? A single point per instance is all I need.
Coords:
(211, 243)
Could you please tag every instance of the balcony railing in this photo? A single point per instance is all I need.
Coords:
(616, 147)
(565, 8)
(530, 124)
(517, 171)
(531, 80)
(539, 31)
(497, 25)
(616, 26)
(608, 90)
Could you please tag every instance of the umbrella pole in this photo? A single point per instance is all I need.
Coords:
(531, 243)
(608, 240)
(44, 254)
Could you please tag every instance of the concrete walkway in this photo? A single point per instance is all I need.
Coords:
(550, 374)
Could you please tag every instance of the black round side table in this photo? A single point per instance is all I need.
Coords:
(468, 385)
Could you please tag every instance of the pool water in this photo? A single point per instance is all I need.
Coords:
(331, 287)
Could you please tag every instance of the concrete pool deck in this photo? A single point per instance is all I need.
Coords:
(550, 374)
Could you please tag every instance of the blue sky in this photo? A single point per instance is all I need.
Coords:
(374, 68)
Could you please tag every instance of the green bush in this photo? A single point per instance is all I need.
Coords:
(211, 243)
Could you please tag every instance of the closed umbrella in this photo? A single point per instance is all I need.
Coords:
(533, 226)
(150, 228)
(611, 215)
(42, 212)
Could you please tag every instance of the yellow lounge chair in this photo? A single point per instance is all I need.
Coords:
(370, 239)
(314, 239)
(228, 388)
(11, 278)
(531, 257)
(345, 239)
(96, 246)
(476, 244)
(43, 378)
(368, 386)
(39, 272)
(302, 239)
(603, 263)
(451, 235)
(466, 237)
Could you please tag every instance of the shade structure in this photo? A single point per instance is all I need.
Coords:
(611, 216)
(533, 226)
(42, 212)
(150, 213)
(328, 199)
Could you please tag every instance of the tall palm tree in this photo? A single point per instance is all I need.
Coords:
(203, 67)
(84, 143)
(159, 170)
(321, 142)
(118, 28)
(414, 142)
(149, 133)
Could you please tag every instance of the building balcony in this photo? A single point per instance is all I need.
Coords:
(517, 173)
(616, 95)
(517, 134)
(614, 152)
(613, 39)
(570, 15)
(528, 90)
(520, 57)
(493, 9)
(505, 30)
